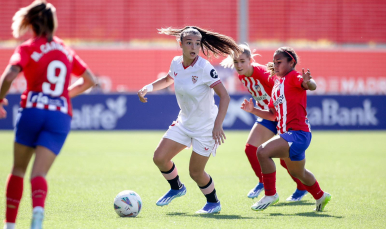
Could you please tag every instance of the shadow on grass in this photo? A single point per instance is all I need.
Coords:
(214, 216)
(296, 203)
(308, 214)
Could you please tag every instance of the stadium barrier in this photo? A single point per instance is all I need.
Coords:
(126, 112)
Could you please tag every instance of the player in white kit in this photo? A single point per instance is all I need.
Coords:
(199, 123)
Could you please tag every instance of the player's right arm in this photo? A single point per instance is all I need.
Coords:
(248, 106)
(155, 86)
(7, 78)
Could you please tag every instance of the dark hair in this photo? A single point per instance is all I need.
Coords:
(39, 15)
(289, 53)
(215, 43)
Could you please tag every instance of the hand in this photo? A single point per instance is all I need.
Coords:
(218, 135)
(306, 76)
(141, 95)
(3, 112)
(247, 105)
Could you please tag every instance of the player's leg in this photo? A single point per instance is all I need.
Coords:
(14, 186)
(276, 147)
(299, 142)
(173, 142)
(298, 170)
(261, 132)
(205, 182)
(48, 145)
(26, 132)
(300, 191)
(43, 161)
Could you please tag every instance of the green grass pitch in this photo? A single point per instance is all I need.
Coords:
(95, 166)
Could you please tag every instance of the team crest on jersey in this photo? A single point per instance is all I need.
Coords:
(257, 88)
(194, 79)
(213, 74)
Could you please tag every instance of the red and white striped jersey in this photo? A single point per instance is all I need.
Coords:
(259, 85)
(47, 67)
(289, 99)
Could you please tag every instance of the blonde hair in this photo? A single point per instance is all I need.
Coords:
(229, 61)
(40, 16)
(211, 42)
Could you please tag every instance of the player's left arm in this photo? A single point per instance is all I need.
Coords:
(308, 83)
(218, 132)
(86, 81)
(9, 75)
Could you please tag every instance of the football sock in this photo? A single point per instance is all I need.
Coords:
(269, 180)
(300, 185)
(209, 191)
(172, 177)
(13, 194)
(250, 151)
(315, 190)
(39, 190)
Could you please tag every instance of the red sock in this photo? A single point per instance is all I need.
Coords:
(300, 185)
(315, 190)
(250, 151)
(270, 183)
(39, 191)
(13, 195)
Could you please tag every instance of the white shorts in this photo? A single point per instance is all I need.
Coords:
(203, 142)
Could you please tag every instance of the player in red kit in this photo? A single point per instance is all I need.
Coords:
(288, 106)
(44, 119)
(256, 78)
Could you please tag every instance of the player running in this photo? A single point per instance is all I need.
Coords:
(199, 123)
(44, 118)
(256, 78)
(288, 106)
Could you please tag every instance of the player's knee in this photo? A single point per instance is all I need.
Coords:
(195, 174)
(261, 153)
(159, 160)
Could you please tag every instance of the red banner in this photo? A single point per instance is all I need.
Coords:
(335, 71)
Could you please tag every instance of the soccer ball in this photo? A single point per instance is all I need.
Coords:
(127, 204)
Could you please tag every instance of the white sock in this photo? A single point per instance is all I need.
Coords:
(38, 209)
(10, 226)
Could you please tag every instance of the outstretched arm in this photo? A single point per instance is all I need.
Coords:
(248, 106)
(155, 86)
(308, 82)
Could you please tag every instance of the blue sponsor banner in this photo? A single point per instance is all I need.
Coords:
(126, 112)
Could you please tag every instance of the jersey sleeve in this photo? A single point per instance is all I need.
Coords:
(296, 80)
(78, 65)
(171, 71)
(20, 57)
(210, 76)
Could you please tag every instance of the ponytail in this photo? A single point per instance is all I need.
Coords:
(229, 61)
(211, 42)
(40, 15)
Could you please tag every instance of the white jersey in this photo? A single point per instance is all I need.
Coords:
(195, 96)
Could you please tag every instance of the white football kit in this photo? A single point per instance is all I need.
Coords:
(195, 97)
